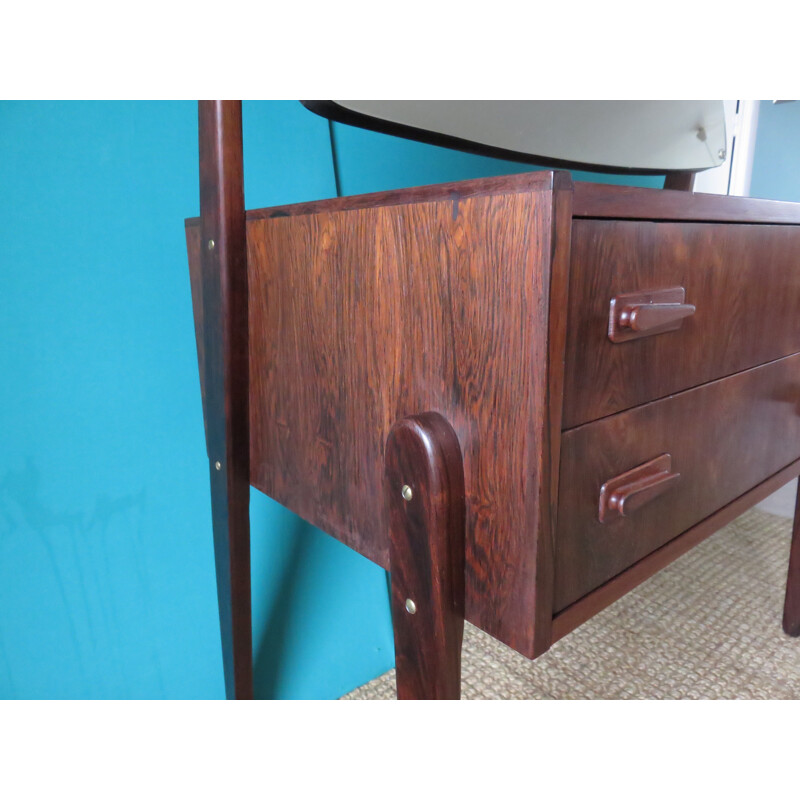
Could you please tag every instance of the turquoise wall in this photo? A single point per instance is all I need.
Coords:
(106, 563)
(776, 159)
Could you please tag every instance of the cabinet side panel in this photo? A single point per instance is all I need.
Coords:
(196, 281)
(360, 318)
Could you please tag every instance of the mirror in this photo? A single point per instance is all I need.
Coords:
(641, 137)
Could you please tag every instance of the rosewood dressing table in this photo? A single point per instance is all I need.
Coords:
(522, 396)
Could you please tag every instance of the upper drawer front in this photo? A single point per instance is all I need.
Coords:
(723, 439)
(744, 281)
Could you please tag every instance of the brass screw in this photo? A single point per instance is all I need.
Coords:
(218, 466)
(211, 244)
(407, 495)
(411, 606)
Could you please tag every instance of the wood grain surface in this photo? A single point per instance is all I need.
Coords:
(362, 317)
(724, 438)
(743, 279)
(424, 490)
(598, 200)
(465, 300)
(455, 190)
(633, 202)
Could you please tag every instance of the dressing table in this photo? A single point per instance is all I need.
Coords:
(522, 396)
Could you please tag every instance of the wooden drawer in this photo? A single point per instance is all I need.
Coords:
(724, 438)
(743, 279)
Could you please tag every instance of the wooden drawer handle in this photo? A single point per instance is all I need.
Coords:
(653, 315)
(621, 496)
(639, 314)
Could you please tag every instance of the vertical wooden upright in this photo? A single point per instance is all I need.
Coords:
(424, 484)
(225, 368)
(791, 607)
(680, 181)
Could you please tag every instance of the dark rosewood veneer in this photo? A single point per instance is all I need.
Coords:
(521, 396)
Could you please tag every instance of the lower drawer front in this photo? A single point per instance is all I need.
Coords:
(724, 438)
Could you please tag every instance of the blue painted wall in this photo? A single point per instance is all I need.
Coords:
(106, 562)
(776, 159)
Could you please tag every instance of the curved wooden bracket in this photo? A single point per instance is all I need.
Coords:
(424, 487)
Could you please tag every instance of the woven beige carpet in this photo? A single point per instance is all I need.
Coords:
(708, 626)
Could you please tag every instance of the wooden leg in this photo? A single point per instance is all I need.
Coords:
(791, 607)
(224, 368)
(424, 485)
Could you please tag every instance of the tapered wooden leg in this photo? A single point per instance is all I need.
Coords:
(424, 485)
(222, 295)
(791, 607)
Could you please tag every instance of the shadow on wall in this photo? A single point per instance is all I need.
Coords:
(270, 672)
(72, 557)
(321, 616)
